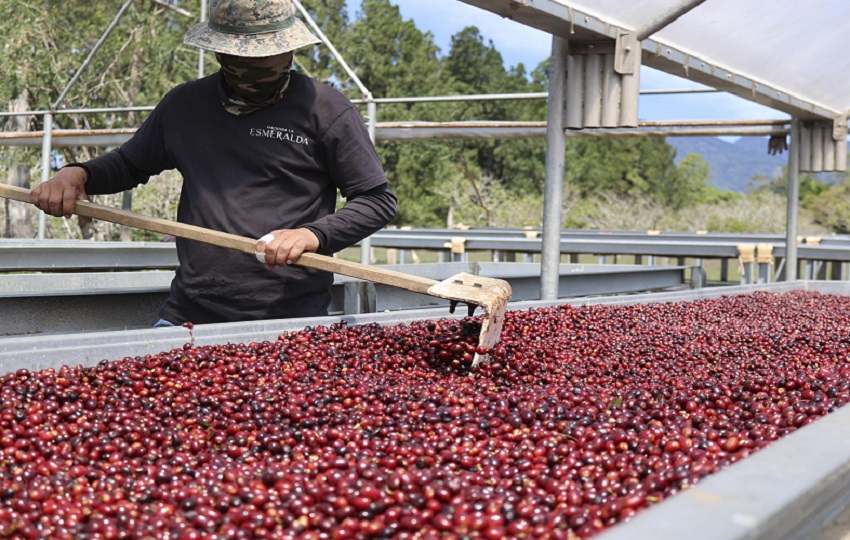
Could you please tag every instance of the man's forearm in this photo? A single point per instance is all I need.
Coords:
(112, 173)
(361, 216)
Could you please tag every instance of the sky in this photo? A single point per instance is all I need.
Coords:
(519, 43)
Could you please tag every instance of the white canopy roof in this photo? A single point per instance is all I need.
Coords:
(791, 55)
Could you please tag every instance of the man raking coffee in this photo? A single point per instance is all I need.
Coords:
(263, 151)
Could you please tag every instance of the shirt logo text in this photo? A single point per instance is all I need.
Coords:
(279, 133)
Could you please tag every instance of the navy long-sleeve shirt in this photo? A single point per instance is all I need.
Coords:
(277, 168)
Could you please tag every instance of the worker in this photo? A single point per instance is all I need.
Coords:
(263, 151)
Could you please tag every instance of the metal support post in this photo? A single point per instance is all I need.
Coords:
(46, 151)
(556, 147)
(747, 259)
(201, 51)
(747, 273)
(793, 203)
(836, 271)
(366, 250)
(351, 298)
(764, 258)
(457, 246)
(779, 273)
(810, 270)
(698, 279)
(764, 273)
(372, 112)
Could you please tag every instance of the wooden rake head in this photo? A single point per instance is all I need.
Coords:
(489, 293)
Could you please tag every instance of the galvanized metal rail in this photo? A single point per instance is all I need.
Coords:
(75, 255)
(81, 255)
(621, 235)
(62, 302)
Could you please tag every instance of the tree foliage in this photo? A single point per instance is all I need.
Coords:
(47, 41)
(477, 67)
(317, 61)
(391, 56)
(692, 185)
(809, 186)
(630, 166)
(830, 204)
(478, 182)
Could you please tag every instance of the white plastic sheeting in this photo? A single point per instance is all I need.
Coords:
(792, 55)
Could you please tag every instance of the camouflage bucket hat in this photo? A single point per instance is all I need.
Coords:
(251, 28)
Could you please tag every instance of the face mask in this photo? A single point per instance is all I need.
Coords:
(250, 84)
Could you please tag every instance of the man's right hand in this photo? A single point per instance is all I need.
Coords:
(59, 195)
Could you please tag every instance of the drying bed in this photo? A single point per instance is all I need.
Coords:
(588, 416)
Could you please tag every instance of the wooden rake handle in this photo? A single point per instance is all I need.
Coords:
(232, 241)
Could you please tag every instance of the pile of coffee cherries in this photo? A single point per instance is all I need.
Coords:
(582, 417)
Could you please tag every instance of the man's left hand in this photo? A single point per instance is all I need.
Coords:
(284, 246)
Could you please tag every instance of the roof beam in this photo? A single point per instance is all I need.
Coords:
(556, 18)
(671, 60)
(667, 18)
(392, 131)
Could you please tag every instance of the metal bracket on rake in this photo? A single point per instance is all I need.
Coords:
(489, 293)
(469, 306)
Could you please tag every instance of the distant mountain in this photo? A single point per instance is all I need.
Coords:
(733, 165)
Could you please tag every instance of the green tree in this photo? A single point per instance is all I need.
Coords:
(810, 186)
(317, 61)
(479, 182)
(394, 59)
(692, 182)
(831, 206)
(475, 66)
(631, 166)
(509, 167)
(46, 42)
(139, 61)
